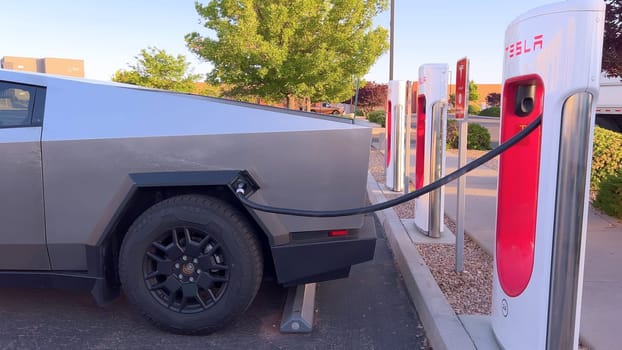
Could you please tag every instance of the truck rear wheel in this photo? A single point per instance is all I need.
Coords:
(191, 264)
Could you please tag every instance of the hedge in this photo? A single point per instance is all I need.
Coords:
(609, 197)
(606, 157)
(491, 112)
(478, 136)
(474, 109)
(378, 117)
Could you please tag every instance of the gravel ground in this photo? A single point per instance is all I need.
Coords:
(468, 292)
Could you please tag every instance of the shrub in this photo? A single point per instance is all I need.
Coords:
(474, 109)
(359, 112)
(609, 196)
(376, 113)
(607, 155)
(491, 112)
(452, 134)
(378, 117)
(478, 136)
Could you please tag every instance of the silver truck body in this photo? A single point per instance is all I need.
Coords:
(68, 177)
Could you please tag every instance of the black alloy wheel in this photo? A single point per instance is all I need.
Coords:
(191, 264)
(186, 270)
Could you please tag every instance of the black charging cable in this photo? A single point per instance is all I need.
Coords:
(399, 200)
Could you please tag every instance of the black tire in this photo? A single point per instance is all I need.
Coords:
(191, 264)
(335, 112)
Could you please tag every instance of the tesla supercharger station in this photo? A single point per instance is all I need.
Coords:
(397, 125)
(430, 152)
(551, 68)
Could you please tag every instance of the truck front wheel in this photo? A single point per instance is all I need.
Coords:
(191, 264)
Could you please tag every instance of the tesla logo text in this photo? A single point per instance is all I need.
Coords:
(525, 46)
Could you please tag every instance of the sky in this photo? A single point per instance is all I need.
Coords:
(108, 35)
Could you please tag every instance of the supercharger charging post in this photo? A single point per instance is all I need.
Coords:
(398, 115)
(551, 68)
(430, 153)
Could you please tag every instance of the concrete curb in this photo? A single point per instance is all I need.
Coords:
(442, 326)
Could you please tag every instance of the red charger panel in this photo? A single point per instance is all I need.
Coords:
(420, 154)
(388, 130)
(519, 169)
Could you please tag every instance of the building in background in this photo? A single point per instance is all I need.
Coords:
(58, 66)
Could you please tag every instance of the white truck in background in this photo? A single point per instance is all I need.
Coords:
(609, 104)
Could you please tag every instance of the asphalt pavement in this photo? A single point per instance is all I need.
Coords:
(369, 310)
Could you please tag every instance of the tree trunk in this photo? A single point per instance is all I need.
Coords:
(291, 102)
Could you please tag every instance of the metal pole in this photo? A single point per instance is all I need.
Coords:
(462, 151)
(449, 95)
(568, 230)
(407, 138)
(436, 170)
(462, 146)
(398, 146)
(391, 39)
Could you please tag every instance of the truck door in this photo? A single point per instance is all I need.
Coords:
(22, 229)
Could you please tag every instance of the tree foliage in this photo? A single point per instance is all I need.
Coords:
(312, 49)
(473, 93)
(372, 95)
(493, 99)
(612, 50)
(156, 69)
(207, 89)
(473, 96)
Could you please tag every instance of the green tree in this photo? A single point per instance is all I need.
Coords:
(612, 51)
(207, 89)
(473, 94)
(290, 49)
(156, 69)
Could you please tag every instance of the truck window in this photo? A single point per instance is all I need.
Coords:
(16, 105)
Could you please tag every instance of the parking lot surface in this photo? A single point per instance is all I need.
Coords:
(368, 310)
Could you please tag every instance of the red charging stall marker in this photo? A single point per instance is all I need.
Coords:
(420, 155)
(519, 169)
(388, 130)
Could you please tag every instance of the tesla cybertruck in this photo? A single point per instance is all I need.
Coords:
(107, 187)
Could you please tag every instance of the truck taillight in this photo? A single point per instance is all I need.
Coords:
(338, 233)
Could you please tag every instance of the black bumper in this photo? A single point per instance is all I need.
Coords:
(299, 263)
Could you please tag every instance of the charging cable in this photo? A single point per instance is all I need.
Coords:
(399, 200)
